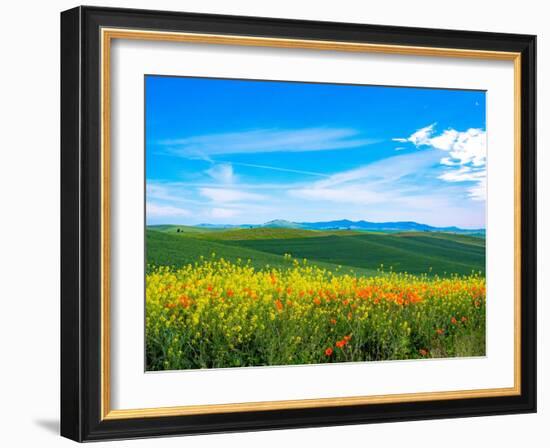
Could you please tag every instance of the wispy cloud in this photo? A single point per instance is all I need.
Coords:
(222, 213)
(229, 195)
(222, 173)
(284, 170)
(463, 174)
(479, 192)
(348, 194)
(155, 210)
(167, 193)
(267, 140)
(377, 182)
(469, 174)
(387, 170)
(179, 202)
(156, 191)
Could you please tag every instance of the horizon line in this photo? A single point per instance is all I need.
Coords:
(314, 222)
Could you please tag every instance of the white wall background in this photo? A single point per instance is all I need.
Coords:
(29, 224)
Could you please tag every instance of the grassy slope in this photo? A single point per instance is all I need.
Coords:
(257, 233)
(171, 249)
(415, 254)
(171, 228)
(459, 238)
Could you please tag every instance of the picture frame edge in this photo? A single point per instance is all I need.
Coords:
(80, 258)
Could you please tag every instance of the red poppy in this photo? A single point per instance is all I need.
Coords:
(184, 300)
(342, 343)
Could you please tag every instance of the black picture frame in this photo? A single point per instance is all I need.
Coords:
(81, 224)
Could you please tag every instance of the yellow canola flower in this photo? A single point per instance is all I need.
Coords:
(215, 313)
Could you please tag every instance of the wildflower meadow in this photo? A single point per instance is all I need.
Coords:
(216, 313)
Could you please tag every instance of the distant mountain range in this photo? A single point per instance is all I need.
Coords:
(346, 224)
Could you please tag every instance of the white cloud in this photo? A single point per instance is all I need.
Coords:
(418, 138)
(188, 203)
(479, 191)
(284, 170)
(222, 173)
(267, 140)
(444, 141)
(377, 182)
(463, 174)
(158, 191)
(448, 162)
(422, 136)
(353, 195)
(155, 210)
(468, 147)
(223, 213)
(229, 195)
(467, 151)
(468, 174)
(387, 170)
(173, 193)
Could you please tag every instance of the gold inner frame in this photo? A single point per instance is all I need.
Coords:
(107, 35)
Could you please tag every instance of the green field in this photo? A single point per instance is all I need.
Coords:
(361, 252)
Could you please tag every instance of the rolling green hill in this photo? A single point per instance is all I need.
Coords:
(254, 233)
(475, 240)
(414, 252)
(169, 249)
(170, 228)
(268, 233)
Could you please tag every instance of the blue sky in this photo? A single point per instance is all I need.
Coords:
(247, 152)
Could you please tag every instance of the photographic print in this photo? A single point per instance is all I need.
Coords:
(293, 223)
(301, 210)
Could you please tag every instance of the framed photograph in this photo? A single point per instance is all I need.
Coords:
(274, 223)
